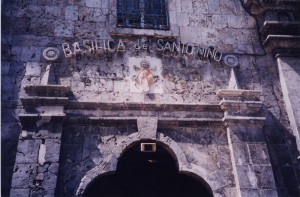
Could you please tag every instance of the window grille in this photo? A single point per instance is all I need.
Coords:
(143, 14)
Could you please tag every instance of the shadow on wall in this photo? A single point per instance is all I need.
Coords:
(283, 155)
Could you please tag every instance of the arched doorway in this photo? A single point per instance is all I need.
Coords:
(147, 169)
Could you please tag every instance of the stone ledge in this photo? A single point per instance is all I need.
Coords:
(144, 106)
(44, 101)
(253, 106)
(32, 118)
(162, 122)
(259, 7)
(279, 27)
(281, 41)
(47, 90)
(223, 93)
(244, 120)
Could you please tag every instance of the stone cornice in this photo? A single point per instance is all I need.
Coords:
(273, 42)
(162, 122)
(258, 7)
(224, 93)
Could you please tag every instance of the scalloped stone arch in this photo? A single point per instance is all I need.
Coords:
(110, 164)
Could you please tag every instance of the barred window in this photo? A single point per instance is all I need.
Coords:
(143, 14)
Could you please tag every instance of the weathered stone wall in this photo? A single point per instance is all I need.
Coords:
(85, 147)
(28, 27)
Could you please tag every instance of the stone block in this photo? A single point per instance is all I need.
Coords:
(5, 52)
(5, 66)
(183, 19)
(200, 7)
(186, 6)
(224, 160)
(237, 21)
(198, 20)
(244, 48)
(147, 127)
(172, 6)
(106, 85)
(20, 10)
(214, 7)
(173, 18)
(241, 154)
(31, 54)
(22, 176)
(230, 192)
(72, 153)
(101, 31)
(19, 192)
(93, 4)
(73, 135)
(210, 36)
(42, 27)
(27, 151)
(251, 22)
(249, 192)
(16, 52)
(52, 150)
(36, 11)
(219, 21)
(86, 14)
(247, 177)
(20, 25)
(100, 15)
(17, 69)
(49, 181)
(64, 28)
(33, 69)
(259, 153)
(90, 150)
(268, 193)
(81, 27)
(71, 13)
(121, 86)
(191, 34)
(54, 12)
(228, 7)
(178, 6)
(225, 178)
(255, 134)
(265, 178)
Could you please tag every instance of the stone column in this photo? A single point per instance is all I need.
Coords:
(37, 160)
(249, 155)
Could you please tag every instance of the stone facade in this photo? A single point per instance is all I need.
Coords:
(230, 117)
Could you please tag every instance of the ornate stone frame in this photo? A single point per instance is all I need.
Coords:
(110, 165)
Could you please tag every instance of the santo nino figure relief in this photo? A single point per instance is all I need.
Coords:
(145, 78)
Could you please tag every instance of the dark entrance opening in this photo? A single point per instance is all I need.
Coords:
(148, 173)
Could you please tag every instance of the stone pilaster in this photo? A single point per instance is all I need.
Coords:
(37, 160)
(249, 155)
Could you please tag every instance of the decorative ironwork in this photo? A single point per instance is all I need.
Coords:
(143, 14)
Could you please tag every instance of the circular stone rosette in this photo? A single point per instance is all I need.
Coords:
(231, 60)
(51, 54)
